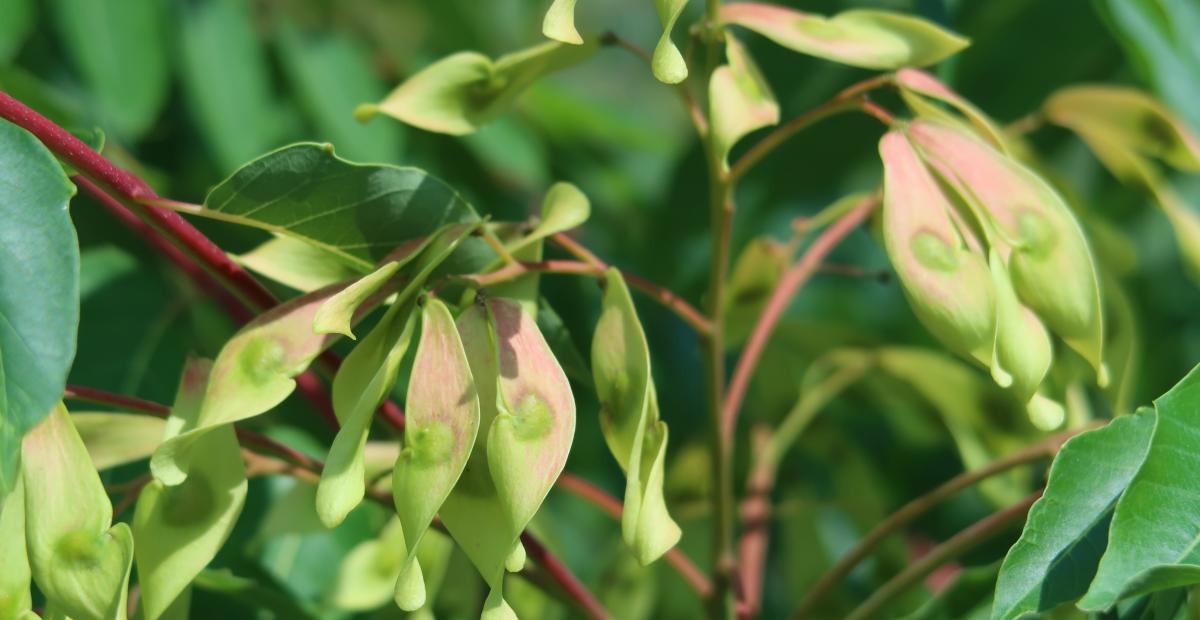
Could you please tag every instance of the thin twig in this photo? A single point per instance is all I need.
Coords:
(664, 296)
(577, 250)
(954, 547)
(789, 284)
(906, 514)
(848, 99)
(678, 560)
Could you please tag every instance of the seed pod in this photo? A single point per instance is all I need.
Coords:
(939, 263)
(1031, 228)
(179, 529)
(526, 407)
(440, 428)
(15, 600)
(79, 559)
(917, 88)
(1021, 352)
(630, 421)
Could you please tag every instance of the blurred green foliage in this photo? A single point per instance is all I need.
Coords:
(186, 90)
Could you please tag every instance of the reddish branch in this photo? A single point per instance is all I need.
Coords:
(204, 251)
(789, 284)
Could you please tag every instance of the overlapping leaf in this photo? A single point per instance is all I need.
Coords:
(366, 378)
(79, 559)
(630, 420)
(866, 38)
(918, 87)
(1057, 554)
(462, 92)
(297, 264)
(117, 438)
(360, 212)
(39, 297)
(179, 529)
(15, 600)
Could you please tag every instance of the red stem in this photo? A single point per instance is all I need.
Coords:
(564, 577)
(789, 284)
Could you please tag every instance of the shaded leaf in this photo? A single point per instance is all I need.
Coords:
(39, 297)
(297, 264)
(1154, 538)
(79, 559)
(312, 63)
(226, 80)
(179, 529)
(865, 38)
(630, 421)
(1065, 534)
(360, 212)
(462, 92)
(741, 98)
(120, 50)
(559, 23)
(367, 577)
(253, 594)
(754, 275)
(667, 62)
(117, 438)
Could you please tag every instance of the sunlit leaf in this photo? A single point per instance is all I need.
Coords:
(1154, 536)
(120, 50)
(630, 420)
(360, 212)
(334, 316)
(1021, 349)
(865, 38)
(117, 438)
(440, 428)
(741, 98)
(366, 378)
(462, 92)
(39, 294)
(667, 62)
(563, 208)
(79, 559)
(179, 529)
(253, 373)
(15, 601)
(297, 264)
(559, 23)
(1066, 532)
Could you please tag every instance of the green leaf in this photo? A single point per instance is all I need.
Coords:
(16, 25)
(559, 23)
(365, 379)
(252, 373)
(179, 529)
(359, 212)
(297, 264)
(462, 92)
(630, 421)
(120, 51)
(667, 62)
(865, 38)
(1154, 540)
(227, 81)
(741, 98)
(335, 315)
(80, 560)
(39, 298)
(117, 438)
(253, 594)
(15, 600)
(440, 429)
(1065, 534)
(311, 64)
(563, 208)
